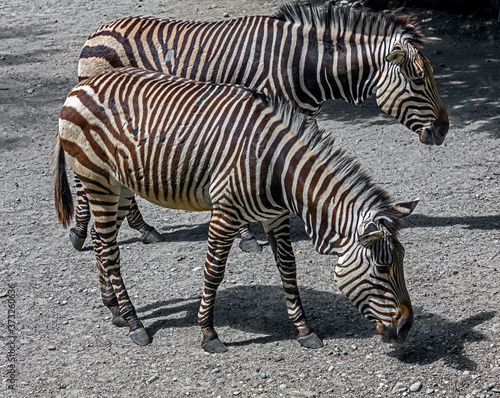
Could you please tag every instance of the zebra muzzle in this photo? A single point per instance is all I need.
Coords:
(436, 133)
(398, 330)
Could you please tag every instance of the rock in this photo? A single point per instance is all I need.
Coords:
(152, 379)
(429, 391)
(51, 347)
(263, 376)
(396, 389)
(416, 386)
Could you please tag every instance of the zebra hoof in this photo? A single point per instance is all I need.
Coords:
(152, 236)
(140, 336)
(310, 341)
(250, 245)
(214, 346)
(76, 240)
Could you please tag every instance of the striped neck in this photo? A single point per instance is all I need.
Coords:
(323, 186)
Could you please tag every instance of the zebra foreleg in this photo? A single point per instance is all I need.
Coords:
(278, 233)
(221, 235)
(135, 221)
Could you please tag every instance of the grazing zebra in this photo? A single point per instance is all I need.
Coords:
(198, 146)
(305, 54)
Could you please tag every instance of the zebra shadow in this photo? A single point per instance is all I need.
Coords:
(261, 310)
(471, 223)
(199, 232)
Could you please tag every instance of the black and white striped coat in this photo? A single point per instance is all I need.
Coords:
(197, 146)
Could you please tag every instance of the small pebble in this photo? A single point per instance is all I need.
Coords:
(225, 15)
(416, 386)
(354, 346)
(51, 347)
(152, 379)
(398, 387)
(429, 391)
(263, 376)
(215, 370)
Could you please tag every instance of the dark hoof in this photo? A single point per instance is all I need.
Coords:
(152, 236)
(250, 245)
(119, 321)
(140, 336)
(76, 240)
(310, 341)
(214, 346)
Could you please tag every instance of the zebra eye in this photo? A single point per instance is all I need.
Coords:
(418, 82)
(383, 269)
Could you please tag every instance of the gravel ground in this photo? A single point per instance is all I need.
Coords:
(64, 343)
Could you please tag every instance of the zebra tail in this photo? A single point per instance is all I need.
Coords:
(62, 192)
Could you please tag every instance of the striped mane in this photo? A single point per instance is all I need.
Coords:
(331, 17)
(342, 165)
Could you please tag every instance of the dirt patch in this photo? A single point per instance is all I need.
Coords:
(64, 342)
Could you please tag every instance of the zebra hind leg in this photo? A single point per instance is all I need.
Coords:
(135, 220)
(107, 293)
(248, 242)
(114, 206)
(278, 232)
(78, 233)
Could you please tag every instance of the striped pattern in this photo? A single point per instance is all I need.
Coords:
(305, 54)
(197, 146)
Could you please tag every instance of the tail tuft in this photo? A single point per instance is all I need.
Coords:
(62, 192)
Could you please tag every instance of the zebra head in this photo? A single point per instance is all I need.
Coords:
(407, 91)
(371, 274)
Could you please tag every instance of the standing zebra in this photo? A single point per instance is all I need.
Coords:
(305, 54)
(197, 146)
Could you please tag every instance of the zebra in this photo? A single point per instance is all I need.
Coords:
(245, 157)
(306, 54)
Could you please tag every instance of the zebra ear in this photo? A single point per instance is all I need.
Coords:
(404, 209)
(397, 55)
(370, 235)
